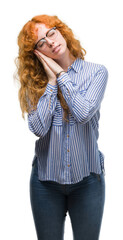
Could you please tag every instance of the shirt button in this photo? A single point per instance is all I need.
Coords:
(68, 165)
(68, 150)
(67, 135)
(51, 90)
(62, 79)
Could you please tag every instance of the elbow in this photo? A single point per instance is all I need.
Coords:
(83, 113)
(105, 74)
(35, 125)
(84, 117)
(35, 128)
(88, 110)
(105, 70)
(37, 132)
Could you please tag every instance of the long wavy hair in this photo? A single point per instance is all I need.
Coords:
(30, 71)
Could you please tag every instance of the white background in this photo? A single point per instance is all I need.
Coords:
(98, 25)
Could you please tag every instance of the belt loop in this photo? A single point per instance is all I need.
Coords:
(98, 176)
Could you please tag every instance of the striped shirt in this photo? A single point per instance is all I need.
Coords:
(67, 152)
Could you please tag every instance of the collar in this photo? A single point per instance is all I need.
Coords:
(77, 65)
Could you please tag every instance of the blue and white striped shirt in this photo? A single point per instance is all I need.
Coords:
(68, 151)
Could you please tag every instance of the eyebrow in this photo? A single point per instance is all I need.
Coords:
(43, 37)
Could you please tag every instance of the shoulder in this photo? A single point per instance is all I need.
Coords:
(93, 67)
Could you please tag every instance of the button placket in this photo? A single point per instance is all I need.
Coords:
(68, 149)
(49, 102)
(50, 98)
(67, 161)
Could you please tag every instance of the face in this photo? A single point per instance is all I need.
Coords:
(53, 40)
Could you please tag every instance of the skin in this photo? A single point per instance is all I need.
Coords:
(53, 62)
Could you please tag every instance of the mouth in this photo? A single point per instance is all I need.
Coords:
(57, 48)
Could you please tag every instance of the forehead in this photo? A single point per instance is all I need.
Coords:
(41, 29)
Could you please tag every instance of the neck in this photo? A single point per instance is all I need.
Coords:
(66, 60)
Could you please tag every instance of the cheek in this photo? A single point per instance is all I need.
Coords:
(63, 41)
(45, 52)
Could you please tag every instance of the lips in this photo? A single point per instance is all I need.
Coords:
(54, 49)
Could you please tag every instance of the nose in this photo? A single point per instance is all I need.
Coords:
(49, 41)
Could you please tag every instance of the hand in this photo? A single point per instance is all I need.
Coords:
(51, 76)
(50, 66)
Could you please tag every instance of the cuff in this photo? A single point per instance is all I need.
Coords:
(63, 79)
(51, 88)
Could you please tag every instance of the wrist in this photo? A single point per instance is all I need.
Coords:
(52, 81)
(60, 73)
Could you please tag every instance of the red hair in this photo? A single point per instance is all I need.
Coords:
(30, 71)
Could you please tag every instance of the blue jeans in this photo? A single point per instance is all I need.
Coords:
(84, 202)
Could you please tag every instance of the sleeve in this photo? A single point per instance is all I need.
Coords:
(39, 120)
(84, 107)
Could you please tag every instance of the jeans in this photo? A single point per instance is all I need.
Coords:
(84, 202)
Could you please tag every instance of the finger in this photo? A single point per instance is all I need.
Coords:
(42, 60)
(42, 55)
(45, 60)
(45, 66)
(37, 54)
(49, 61)
(39, 57)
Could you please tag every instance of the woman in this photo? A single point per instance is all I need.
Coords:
(62, 94)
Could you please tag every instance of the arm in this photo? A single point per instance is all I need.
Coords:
(39, 121)
(84, 107)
